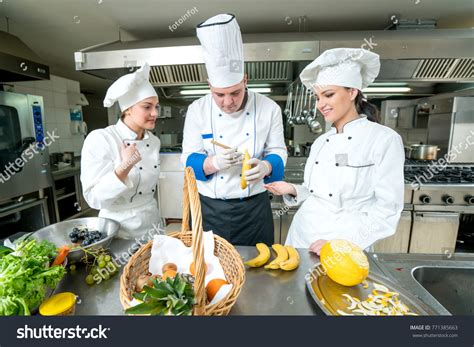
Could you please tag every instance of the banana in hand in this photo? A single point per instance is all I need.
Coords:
(245, 167)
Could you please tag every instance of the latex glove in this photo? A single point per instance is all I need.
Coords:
(260, 169)
(226, 158)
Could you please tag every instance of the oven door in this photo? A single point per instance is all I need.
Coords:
(24, 160)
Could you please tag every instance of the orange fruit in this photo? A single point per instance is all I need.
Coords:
(192, 269)
(213, 287)
(169, 273)
(169, 266)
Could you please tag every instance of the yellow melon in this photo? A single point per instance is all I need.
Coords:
(344, 262)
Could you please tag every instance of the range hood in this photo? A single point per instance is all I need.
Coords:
(18, 62)
(440, 55)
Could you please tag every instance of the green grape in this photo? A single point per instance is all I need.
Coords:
(102, 264)
(90, 279)
(72, 267)
(101, 258)
(107, 258)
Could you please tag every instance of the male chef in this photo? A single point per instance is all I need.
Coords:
(241, 120)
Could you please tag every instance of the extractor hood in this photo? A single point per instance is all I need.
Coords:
(18, 62)
(440, 55)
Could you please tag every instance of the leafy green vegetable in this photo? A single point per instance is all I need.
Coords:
(24, 275)
(172, 296)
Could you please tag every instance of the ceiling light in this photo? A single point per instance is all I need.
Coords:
(207, 91)
(386, 90)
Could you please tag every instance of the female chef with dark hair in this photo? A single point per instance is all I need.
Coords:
(353, 182)
(120, 164)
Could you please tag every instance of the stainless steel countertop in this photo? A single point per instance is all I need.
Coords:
(264, 293)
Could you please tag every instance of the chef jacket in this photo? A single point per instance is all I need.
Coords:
(257, 128)
(353, 186)
(132, 202)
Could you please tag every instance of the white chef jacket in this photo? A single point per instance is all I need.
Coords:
(257, 128)
(353, 186)
(132, 202)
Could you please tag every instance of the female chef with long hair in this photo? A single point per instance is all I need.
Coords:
(120, 164)
(353, 182)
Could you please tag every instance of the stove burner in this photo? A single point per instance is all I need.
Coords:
(448, 175)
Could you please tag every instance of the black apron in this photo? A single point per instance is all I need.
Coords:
(242, 222)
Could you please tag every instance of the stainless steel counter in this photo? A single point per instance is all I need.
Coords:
(264, 292)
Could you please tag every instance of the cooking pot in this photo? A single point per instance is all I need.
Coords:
(422, 152)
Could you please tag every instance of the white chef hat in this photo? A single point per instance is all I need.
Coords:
(345, 67)
(223, 51)
(130, 89)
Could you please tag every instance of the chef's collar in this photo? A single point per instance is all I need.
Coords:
(349, 126)
(128, 134)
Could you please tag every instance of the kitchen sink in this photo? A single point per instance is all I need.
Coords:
(453, 287)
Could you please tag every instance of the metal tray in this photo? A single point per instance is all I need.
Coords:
(328, 294)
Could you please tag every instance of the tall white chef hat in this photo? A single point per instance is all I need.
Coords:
(223, 51)
(345, 67)
(130, 89)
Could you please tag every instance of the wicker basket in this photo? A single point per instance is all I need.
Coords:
(229, 258)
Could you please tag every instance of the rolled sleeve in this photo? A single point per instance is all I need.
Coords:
(196, 161)
(278, 168)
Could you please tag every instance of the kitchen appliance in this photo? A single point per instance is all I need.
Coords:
(451, 128)
(443, 206)
(24, 158)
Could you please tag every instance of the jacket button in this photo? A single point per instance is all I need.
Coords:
(153, 190)
(337, 164)
(330, 194)
(317, 162)
(248, 113)
(141, 168)
(311, 191)
(248, 134)
(128, 144)
(349, 138)
(140, 193)
(327, 140)
(155, 166)
(147, 145)
(220, 115)
(220, 136)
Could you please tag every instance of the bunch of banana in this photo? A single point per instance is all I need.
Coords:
(245, 167)
(287, 257)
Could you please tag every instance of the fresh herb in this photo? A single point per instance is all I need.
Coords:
(169, 297)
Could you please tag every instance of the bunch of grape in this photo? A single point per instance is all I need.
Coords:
(87, 236)
(100, 266)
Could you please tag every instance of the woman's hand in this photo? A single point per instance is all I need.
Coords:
(130, 156)
(316, 246)
(280, 188)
